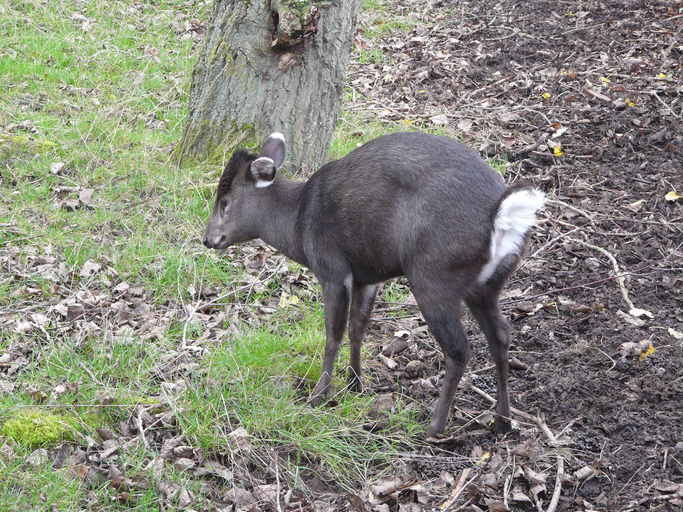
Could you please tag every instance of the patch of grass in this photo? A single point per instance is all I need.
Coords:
(370, 56)
(106, 98)
(381, 26)
(261, 382)
(354, 130)
(377, 22)
(28, 486)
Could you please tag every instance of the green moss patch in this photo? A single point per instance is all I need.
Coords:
(34, 427)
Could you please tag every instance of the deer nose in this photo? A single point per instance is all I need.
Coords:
(214, 241)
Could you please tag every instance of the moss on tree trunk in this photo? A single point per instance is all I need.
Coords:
(269, 66)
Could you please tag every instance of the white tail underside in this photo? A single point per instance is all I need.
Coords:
(516, 215)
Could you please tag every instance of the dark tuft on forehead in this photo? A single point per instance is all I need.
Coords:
(239, 160)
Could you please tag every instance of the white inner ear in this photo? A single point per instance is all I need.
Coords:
(260, 183)
(264, 159)
(263, 183)
(277, 135)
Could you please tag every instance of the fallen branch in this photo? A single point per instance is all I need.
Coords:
(632, 310)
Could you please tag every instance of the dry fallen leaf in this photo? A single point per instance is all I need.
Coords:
(85, 197)
(636, 205)
(676, 334)
(90, 268)
(439, 120)
(288, 300)
(56, 167)
(639, 313)
(637, 322)
(22, 327)
(673, 196)
(519, 495)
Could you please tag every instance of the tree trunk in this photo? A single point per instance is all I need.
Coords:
(269, 65)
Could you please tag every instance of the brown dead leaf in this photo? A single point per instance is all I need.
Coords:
(636, 322)
(240, 497)
(535, 477)
(676, 334)
(388, 362)
(238, 440)
(519, 495)
(69, 205)
(215, 469)
(110, 447)
(673, 196)
(90, 268)
(23, 327)
(396, 346)
(498, 506)
(37, 458)
(439, 120)
(85, 197)
(184, 464)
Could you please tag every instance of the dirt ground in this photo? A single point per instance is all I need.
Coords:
(584, 98)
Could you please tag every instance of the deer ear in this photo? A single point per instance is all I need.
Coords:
(274, 148)
(263, 171)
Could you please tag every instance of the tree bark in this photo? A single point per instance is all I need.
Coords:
(269, 65)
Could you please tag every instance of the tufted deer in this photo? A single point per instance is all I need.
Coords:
(404, 204)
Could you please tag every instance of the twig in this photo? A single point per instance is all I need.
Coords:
(654, 93)
(618, 275)
(141, 428)
(548, 244)
(460, 486)
(570, 207)
(558, 485)
(277, 483)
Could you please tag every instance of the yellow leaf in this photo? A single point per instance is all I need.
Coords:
(546, 95)
(673, 196)
(662, 76)
(605, 80)
(647, 352)
(629, 102)
(557, 150)
(288, 300)
(484, 458)
(407, 122)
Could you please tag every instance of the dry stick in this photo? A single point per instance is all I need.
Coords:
(141, 428)
(618, 275)
(548, 244)
(570, 207)
(551, 438)
(654, 93)
(460, 486)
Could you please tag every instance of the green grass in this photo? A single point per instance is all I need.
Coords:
(261, 383)
(107, 100)
(27, 487)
